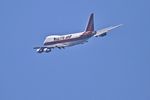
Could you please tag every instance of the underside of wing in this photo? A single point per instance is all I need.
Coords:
(37, 47)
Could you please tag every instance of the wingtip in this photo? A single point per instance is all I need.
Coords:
(118, 25)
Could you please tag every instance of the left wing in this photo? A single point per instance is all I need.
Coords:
(104, 31)
(42, 49)
(48, 49)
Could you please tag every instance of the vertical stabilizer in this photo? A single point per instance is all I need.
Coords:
(90, 25)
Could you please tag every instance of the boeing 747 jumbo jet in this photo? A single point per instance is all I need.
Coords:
(62, 41)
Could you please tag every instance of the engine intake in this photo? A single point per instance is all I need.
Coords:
(47, 50)
(39, 50)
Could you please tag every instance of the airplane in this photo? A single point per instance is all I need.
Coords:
(62, 41)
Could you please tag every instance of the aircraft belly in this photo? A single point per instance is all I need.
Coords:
(75, 42)
(68, 43)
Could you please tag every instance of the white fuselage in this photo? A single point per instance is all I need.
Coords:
(59, 41)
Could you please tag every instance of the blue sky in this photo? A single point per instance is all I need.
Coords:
(115, 67)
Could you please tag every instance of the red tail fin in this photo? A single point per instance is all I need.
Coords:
(90, 25)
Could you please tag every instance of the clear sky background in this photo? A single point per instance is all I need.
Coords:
(115, 67)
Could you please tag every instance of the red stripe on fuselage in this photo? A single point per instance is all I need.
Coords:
(85, 35)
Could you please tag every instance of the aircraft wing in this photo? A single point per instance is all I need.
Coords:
(40, 47)
(58, 46)
(103, 32)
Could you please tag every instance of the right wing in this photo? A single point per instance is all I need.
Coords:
(103, 32)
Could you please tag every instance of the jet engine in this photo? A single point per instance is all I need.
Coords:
(39, 50)
(99, 34)
(104, 34)
(47, 50)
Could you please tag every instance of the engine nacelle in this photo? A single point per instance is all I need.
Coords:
(104, 34)
(39, 50)
(101, 33)
(47, 50)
